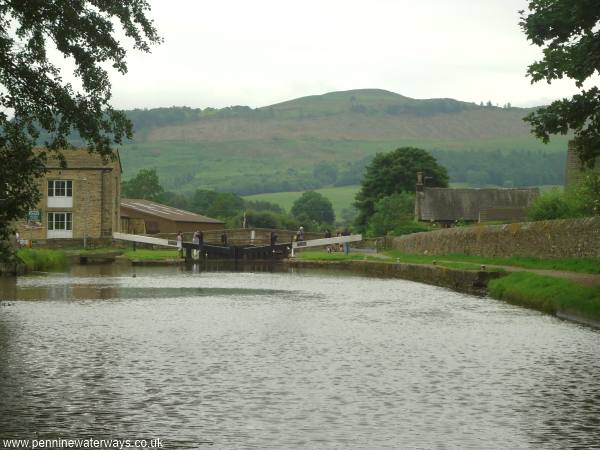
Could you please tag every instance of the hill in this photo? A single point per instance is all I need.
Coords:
(314, 141)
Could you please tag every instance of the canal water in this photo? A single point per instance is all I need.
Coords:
(286, 360)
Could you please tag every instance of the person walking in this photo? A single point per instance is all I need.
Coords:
(224, 238)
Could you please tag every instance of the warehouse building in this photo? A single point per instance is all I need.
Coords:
(147, 217)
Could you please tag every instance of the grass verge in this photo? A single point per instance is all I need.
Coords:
(583, 265)
(312, 255)
(549, 294)
(147, 255)
(335, 256)
(43, 260)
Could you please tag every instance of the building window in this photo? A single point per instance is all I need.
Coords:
(60, 188)
(60, 221)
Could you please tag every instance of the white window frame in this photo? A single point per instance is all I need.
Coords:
(68, 186)
(60, 229)
(65, 198)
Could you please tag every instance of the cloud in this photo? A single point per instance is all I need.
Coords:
(265, 51)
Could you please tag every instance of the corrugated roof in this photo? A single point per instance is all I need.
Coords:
(455, 204)
(164, 211)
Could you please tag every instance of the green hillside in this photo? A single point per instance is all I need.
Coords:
(341, 198)
(291, 146)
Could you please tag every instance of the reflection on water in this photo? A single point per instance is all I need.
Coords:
(270, 359)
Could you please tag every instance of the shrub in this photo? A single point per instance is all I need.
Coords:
(552, 204)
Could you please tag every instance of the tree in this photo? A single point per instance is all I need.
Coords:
(226, 205)
(313, 208)
(144, 185)
(34, 97)
(568, 32)
(390, 212)
(395, 172)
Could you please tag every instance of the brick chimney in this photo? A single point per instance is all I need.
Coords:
(418, 196)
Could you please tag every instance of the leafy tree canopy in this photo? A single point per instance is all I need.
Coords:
(313, 207)
(34, 97)
(568, 31)
(395, 172)
(390, 212)
(144, 185)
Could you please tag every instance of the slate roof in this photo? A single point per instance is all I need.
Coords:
(446, 204)
(163, 211)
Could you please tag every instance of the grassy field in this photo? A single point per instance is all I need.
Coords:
(340, 197)
(548, 294)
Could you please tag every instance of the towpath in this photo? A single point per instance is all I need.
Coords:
(586, 279)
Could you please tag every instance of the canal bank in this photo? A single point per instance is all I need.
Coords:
(559, 297)
(466, 281)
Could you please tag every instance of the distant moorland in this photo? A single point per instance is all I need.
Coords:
(326, 140)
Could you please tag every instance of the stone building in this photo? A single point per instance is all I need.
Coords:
(446, 206)
(147, 217)
(80, 201)
(575, 171)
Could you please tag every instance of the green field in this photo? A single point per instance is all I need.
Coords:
(341, 198)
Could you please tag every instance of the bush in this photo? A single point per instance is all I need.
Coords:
(409, 228)
(552, 204)
(582, 200)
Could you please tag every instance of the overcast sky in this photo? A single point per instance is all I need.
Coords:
(260, 52)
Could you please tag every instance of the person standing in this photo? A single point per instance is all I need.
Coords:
(180, 244)
(224, 238)
(327, 236)
(196, 242)
(300, 234)
(346, 232)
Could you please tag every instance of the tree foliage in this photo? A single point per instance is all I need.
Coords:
(390, 212)
(34, 97)
(313, 208)
(569, 33)
(392, 173)
(144, 185)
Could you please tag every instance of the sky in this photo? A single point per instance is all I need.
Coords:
(261, 52)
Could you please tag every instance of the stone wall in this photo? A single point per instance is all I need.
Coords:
(546, 239)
